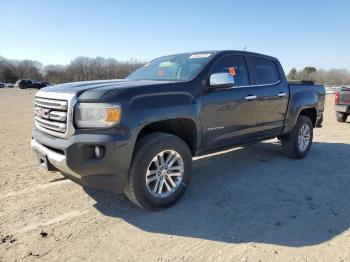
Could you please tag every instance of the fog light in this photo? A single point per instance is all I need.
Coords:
(99, 151)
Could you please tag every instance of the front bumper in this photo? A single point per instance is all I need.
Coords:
(73, 158)
(342, 108)
(55, 159)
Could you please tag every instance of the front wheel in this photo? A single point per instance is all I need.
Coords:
(160, 171)
(297, 144)
(341, 117)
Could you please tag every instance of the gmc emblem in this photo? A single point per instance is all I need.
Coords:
(42, 112)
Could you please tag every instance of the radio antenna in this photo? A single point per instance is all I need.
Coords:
(245, 47)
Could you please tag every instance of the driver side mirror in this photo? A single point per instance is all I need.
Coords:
(221, 80)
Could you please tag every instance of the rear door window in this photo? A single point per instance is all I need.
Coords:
(266, 71)
(236, 66)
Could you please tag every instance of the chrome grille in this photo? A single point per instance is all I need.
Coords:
(53, 113)
(52, 104)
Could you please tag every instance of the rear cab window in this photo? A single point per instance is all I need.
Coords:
(236, 66)
(266, 71)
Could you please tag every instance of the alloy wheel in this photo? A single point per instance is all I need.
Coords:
(164, 173)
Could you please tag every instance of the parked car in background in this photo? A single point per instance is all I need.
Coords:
(43, 84)
(9, 85)
(342, 104)
(2, 85)
(26, 83)
(329, 90)
(139, 135)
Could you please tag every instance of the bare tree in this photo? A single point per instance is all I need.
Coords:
(321, 76)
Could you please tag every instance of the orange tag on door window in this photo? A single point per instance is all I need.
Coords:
(232, 71)
(160, 72)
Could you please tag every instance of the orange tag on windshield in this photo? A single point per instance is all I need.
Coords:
(232, 71)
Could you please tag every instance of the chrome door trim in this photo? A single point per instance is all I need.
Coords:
(250, 97)
(263, 85)
(281, 94)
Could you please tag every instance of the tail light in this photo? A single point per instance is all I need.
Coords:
(337, 97)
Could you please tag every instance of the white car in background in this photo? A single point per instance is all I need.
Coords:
(9, 85)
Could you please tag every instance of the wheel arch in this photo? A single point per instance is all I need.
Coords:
(291, 120)
(184, 128)
(310, 113)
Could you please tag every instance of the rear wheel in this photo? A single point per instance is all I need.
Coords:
(160, 171)
(341, 117)
(297, 144)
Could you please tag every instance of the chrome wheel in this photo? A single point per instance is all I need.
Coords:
(164, 173)
(304, 137)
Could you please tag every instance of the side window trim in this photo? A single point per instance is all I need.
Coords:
(246, 66)
(270, 84)
(250, 65)
(253, 64)
(257, 85)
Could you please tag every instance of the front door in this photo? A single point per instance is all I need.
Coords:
(230, 115)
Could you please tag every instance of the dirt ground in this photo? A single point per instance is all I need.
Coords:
(246, 204)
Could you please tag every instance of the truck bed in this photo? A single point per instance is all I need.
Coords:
(344, 97)
(301, 82)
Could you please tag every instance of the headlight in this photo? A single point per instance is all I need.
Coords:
(97, 115)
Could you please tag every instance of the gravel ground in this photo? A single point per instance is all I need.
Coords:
(245, 204)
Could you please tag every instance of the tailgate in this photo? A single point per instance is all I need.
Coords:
(345, 95)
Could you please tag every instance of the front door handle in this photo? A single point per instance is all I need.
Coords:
(281, 94)
(250, 97)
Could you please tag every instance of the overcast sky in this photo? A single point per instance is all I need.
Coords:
(299, 33)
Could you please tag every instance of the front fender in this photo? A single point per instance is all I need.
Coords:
(145, 109)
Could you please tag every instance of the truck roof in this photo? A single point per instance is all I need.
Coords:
(216, 52)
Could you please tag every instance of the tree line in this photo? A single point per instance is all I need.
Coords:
(332, 77)
(86, 68)
(79, 69)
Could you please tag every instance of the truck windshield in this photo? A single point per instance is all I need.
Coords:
(180, 67)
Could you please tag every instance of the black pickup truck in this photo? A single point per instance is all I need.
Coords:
(342, 104)
(138, 135)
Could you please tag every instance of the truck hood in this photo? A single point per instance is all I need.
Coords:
(100, 87)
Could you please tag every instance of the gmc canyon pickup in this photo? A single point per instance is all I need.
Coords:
(138, 135)
(342, 104)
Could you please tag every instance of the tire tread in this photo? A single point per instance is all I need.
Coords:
(290, 141)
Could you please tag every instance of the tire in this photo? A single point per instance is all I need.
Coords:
(144, 164)
(341, 117)
(290, 143)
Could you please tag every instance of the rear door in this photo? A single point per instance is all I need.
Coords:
(273, 96)
(230, 115)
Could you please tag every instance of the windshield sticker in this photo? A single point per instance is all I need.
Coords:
(199, 56)
(232, 71)
(166, 64)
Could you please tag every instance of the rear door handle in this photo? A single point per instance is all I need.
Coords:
(250, 97)
(281, 94)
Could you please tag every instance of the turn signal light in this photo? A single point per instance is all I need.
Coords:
(113, 114)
